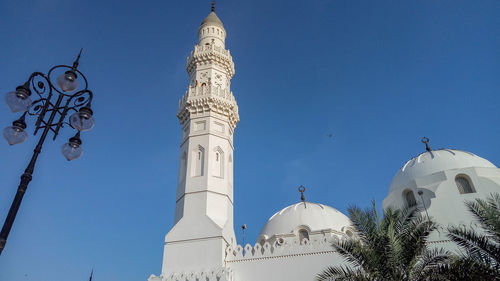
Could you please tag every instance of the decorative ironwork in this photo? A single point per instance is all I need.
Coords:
(243, 227)
(302, 189)
(51, 106)
(426, 141)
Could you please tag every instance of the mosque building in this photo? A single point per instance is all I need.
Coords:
(295, 243)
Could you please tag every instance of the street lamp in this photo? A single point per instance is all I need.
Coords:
(69, 96)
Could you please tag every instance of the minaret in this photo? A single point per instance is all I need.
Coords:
(208, 114)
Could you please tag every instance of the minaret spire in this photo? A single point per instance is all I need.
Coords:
(213, 6)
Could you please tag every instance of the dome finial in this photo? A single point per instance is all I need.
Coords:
(213, 6)
(426, 141)
(302, 189)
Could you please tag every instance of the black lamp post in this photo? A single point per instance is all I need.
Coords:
(51, 105)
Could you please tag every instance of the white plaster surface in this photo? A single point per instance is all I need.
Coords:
(433, 174)
(295, 244)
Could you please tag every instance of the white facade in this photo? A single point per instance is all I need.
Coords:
(295, 243)
(439, 182)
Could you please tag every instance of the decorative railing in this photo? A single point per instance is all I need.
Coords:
(207, 91)
(219, 274)
(202, 49)
(319, 245)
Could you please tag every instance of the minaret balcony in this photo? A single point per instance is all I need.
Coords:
(203, 99)
(199, 92)
(205, 54)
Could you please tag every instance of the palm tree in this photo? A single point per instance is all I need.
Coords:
(482, 247)
(391, 248)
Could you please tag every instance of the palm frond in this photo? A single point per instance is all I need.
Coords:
(341, 273)
(347, 249)
(487, 213)
(476, 245)
(428, 262)
(413, 238)
(465, 268)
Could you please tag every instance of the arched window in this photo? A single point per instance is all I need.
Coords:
(410, 198)
(303, 234)
(182, 168)
(197, 164)
(218, 165)
(464, 185)
(230, 168)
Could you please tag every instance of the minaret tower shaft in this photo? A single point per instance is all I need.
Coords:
(208, 114)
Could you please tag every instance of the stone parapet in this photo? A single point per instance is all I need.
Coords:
(318, 245)
(218, 274)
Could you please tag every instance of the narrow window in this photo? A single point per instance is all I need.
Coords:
(197, 164)
(410, 198)
(182, 168)
(230, 169)
(464, 185)
(218, 167)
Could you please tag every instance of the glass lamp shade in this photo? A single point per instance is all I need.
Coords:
(82, 121)
(14, 134)
(72, 150)
(67, 81)
(18, 101)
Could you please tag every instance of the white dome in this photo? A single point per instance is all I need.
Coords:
(435, 161)
(212, 19)
(312, 215)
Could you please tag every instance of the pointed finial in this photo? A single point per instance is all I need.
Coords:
(213, 6)
(243, 227)
(91, 274)
(75, 64)
(302, 189)
(426, 141)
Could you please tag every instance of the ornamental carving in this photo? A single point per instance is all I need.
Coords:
(210, 54)
(203, 99)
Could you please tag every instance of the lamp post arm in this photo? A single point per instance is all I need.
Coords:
(26, 178)
(79, 99)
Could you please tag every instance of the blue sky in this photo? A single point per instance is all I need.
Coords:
(377, 75)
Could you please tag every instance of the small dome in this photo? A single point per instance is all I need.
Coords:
(212, 19)
(312, 215)
(434, 161)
